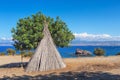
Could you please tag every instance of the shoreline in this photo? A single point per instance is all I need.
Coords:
(70, 51)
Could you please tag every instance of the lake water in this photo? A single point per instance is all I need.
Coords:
(68, 52)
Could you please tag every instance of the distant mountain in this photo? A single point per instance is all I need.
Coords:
(77, 43)
(6, 43)
(95, 43)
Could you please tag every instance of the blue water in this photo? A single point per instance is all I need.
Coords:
(68, 52)
(109, 50)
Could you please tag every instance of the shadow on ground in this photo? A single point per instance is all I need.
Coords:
(67, 76)
(14, 65)
(62, 76)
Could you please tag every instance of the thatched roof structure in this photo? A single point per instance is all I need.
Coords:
(46, 56)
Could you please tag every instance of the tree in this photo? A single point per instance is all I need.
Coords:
(99, 52)
(32, 31)
(28, 32)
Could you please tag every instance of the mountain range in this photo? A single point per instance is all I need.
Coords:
(77, 43)
(95, 43)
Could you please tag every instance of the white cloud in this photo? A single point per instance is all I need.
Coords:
(5, 39)
(83, 36)
(96, 37)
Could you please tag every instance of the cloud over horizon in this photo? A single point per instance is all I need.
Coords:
(81, 36)
(96, 37)
(5, 39)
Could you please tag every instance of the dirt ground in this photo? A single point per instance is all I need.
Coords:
(82, 68)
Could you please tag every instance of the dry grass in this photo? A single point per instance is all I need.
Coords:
(89, 64)
(11, 59)
(94, 63)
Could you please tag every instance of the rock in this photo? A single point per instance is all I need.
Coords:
(80, 52)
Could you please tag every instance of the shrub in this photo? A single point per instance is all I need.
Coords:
(99, 52)
(23, 53)
(29, 54)
(2, 54)
(11, 52)
(26, 54)
(118, 53)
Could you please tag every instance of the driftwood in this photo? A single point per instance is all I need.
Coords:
(46, 56)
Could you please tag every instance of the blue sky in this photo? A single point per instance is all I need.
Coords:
(85, 18)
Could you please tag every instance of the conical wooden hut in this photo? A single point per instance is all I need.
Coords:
(46, 56)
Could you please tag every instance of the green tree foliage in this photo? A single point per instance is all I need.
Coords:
(11, 52)
(28, 32)
(99, 52)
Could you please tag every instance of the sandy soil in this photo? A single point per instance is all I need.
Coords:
(87, 68)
